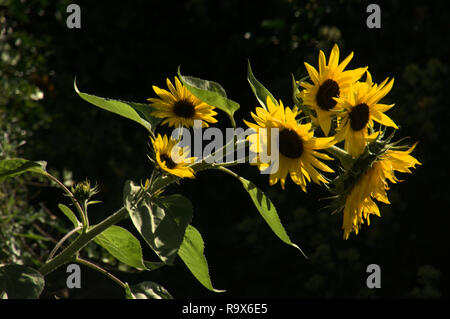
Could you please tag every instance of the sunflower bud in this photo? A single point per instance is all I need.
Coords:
(83, 191)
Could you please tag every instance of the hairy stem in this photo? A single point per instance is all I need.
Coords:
(81, 241)
(61, 242)
(100, 270)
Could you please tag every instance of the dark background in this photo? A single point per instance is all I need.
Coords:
(123, 49)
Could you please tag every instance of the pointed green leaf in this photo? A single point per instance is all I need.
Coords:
(120, 243)
(192, 254)
(20, 282)
(128, 293)
(162, 223)
(18, 166)
(146, 290)
(32, 235)
(70, 215)
(258, 89)
(295, 91)
(210, 92)
(137, 112)
(267, 211)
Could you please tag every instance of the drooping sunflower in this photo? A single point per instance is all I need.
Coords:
(181, 107)
(331, 81)
(361, 109)
(372, 184)
(172, 158)
(295, 143)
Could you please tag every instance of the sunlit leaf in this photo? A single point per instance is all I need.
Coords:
(162, 223)
(192, 254)
(258, 89)
(210, 92)
(268, 211)
(120, 243)
(137, 112)
(146, 290)
(18, 166)
(70, 215)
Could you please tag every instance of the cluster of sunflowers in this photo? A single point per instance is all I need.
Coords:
(337, 107)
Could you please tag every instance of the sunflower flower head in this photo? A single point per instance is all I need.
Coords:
(357, 188)
(179, 107)
(83, 190)
(361, 109)
(294, 143)
(329, 81)
(171, 158)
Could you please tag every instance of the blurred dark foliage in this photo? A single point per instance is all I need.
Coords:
(123, 49)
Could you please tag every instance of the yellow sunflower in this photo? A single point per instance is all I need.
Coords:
(181, 107)
(331, 81)
(361, 109)
(172, 158)
(296, 145)
(359, 204)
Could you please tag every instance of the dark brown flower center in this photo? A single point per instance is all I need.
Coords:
(327, 91)
(290, 144)
(184, 108)
(359, 117)
(169, 163)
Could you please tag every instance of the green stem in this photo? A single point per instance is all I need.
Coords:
(345, 158)
(61, 242)
(101, 270)
(81, 241)
(229, 172)
(233, 123)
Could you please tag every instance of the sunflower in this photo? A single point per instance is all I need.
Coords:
(295, 143)
(359, 204)
(361, 109)
(179, 107)
(172, 158)
(331, 81)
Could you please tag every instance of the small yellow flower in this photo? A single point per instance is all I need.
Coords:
(172, 158)
(297, 146)
(361, 109)
(331, 81)
(359, 204)
(181, 107)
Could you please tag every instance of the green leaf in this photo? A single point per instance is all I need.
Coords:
(210, 92)
(162, 223)
(70, 215)
(120, 243)
(20, 282)
(258, 89)
(137, 112)
(128, 293)
(267, 211)
(146, 290)
(32, 236)
(18, 166)
(295, 91)
(153, 265)
(192, 254)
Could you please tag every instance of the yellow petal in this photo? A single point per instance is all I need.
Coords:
(312, 73)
